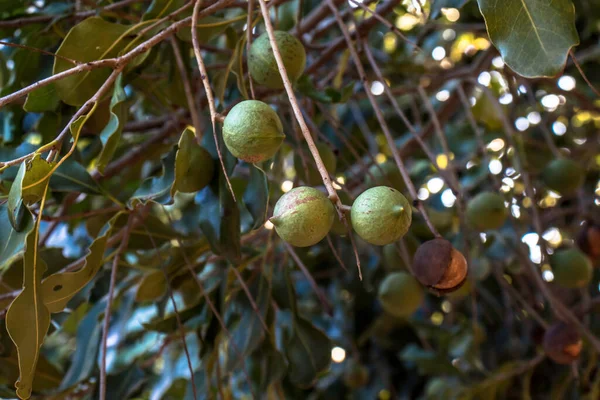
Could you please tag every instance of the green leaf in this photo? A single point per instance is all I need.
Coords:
(160, 8)
(256, 196)
(11, 240)
(87, 342)
(220, 218)
(15, 199)
(111, 134)
(308, 352)
(152, 287)
(169, 324)
(249, 332)
(28, 319)
(533, 37)
(90, 40)
(329, 95)
(71, 176)
(266, 366)
(47, 376)
(428, 362)
(158, 188)
(34, 183)
(194, 166)
(42, 99)
(58, 289)
(209, 27)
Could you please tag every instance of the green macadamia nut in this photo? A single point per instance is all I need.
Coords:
(486, 211)
(309, 174)
(252, 131)
(563, 176)
(571, 268)
(263, 65)
(381, 215)
(303, 216)
(400, 294)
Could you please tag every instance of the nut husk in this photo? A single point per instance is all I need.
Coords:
(439, 266)
(588, 239)
(562, 343)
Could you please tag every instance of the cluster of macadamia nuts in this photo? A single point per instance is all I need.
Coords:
(381, 215)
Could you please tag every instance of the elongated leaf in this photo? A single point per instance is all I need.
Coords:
(47, 376)
(71, 176)
(59, 288)
(88, 342)
(194, 166)
(267, 365)
(158, 188)
(308, 352)
(90, 40)
(534, 37)
(209, 27)
(42, 99)
(152, 287)
(249, 333)
(36, 179)
(15, 199)
(111, 134)
(28, 319)
(160, 8)
(11, 240)
(256, 196)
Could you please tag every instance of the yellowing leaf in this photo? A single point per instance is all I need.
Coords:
(28, 319)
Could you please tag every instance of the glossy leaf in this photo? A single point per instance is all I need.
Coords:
(158, 188)
(58, 289)
(42, 99)
(160, 8)
(71, 176)
(92, 39)
(111, 134)
(28, 319)
(15, 199)
(533, 37)
(256, 196)
(34, 183)
(249, 333)
(11, 240)
(194, 166)
(308, 352)
(152, 287)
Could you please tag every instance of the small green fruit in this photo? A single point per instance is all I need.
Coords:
(400, 294)
(263, 66)
(338, 228)
(571, 268)
(310, 174)
(386, 174)
(381, 215)
(486, 211)
(563, 176)
(252, 131)
(303, 216)
(439, 266)
(562, 343)
(356, 375)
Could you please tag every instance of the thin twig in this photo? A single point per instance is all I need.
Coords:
(109, 302)
(304, 127)
(34, 49)
(189, 96)
(208, 90)
(583, 75)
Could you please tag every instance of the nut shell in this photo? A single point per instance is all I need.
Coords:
(438, 265)
(562, 343)
(588, 239)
